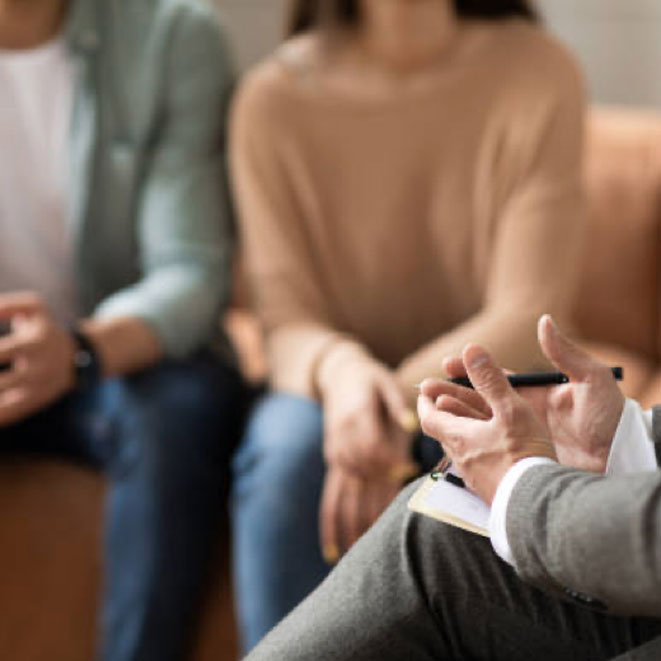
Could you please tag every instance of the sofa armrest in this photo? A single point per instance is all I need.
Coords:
(651, 394)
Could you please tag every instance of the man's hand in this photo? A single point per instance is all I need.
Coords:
(40, 354)
(484, 439)
(581, 417)
(349, 506)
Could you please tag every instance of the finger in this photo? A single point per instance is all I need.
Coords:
(454, 367)
(487, 377)
(377, 499)
(352, 523)
(567, 356)
(373, 502)
(15, 345)
(12, 379)
(349, 446)
(348, 456)
(435, 388)
(394, 402)
(20, 303)
(459, 408)
(15, 405)
(441, 425)
(379, 448)
(329, 513)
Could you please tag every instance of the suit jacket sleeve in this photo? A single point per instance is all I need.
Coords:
(595, 539)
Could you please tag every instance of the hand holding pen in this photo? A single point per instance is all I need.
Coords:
(535, 379)
(580, 408)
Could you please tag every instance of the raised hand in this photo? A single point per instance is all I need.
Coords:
(483, 447)
(581, 417)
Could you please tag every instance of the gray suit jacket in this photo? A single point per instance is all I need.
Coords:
(592, 539)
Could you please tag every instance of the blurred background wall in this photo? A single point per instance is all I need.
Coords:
(618, 41)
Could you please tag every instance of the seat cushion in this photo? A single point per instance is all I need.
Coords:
(618, 295)
(638, 369)
(51, 567)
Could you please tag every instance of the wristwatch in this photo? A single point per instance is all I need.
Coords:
(86, 361)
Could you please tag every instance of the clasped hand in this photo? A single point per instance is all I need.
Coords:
(487, 430)
(40, 355)
(366, 448)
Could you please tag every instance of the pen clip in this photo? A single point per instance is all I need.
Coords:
(441, 469)
(442, 472)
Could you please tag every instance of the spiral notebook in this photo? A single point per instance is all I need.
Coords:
(444, 501)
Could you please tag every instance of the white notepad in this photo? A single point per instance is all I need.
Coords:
(451, 504)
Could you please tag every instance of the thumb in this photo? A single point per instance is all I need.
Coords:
(454, 367)
(17, 304)
(487, 377)
(567, 356)
(396, 407)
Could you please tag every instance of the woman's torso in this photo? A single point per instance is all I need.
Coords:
(399, 195)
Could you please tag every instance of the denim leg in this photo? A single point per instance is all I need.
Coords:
(278, 475)
(170, 427)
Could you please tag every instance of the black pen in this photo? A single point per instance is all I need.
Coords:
(536, 379)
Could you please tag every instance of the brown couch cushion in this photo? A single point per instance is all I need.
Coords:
(49, 564)
(618, 296)
(50, 568)
(638, 370)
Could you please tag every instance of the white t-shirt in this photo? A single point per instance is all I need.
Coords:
(36, 251)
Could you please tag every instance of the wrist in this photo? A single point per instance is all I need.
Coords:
(86, 362)
(341, 356)
(486, 486)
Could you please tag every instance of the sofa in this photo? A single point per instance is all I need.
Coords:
(51, 511)
(618, 307)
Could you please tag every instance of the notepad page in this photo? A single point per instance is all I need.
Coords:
(451, 504)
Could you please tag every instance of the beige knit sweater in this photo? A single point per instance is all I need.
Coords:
(411, 224)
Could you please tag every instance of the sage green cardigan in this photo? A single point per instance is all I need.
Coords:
(148, 203)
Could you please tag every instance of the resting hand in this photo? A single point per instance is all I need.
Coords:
(40, 354)
(349, 506)
(364, 407)
(581, 416)
(484, 446)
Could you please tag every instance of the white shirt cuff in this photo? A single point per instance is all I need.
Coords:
(498, 516)
(632, 450)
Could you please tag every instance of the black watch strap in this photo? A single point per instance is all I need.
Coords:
(86, 362)
(656, 431)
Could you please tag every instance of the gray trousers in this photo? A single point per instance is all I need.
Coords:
(415, 589)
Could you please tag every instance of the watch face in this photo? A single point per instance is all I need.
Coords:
(83, 359)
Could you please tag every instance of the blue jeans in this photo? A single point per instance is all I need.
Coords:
(163, 437)
(278, 475)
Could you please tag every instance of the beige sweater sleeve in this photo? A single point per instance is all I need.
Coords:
(534, 257)
(281, 271)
